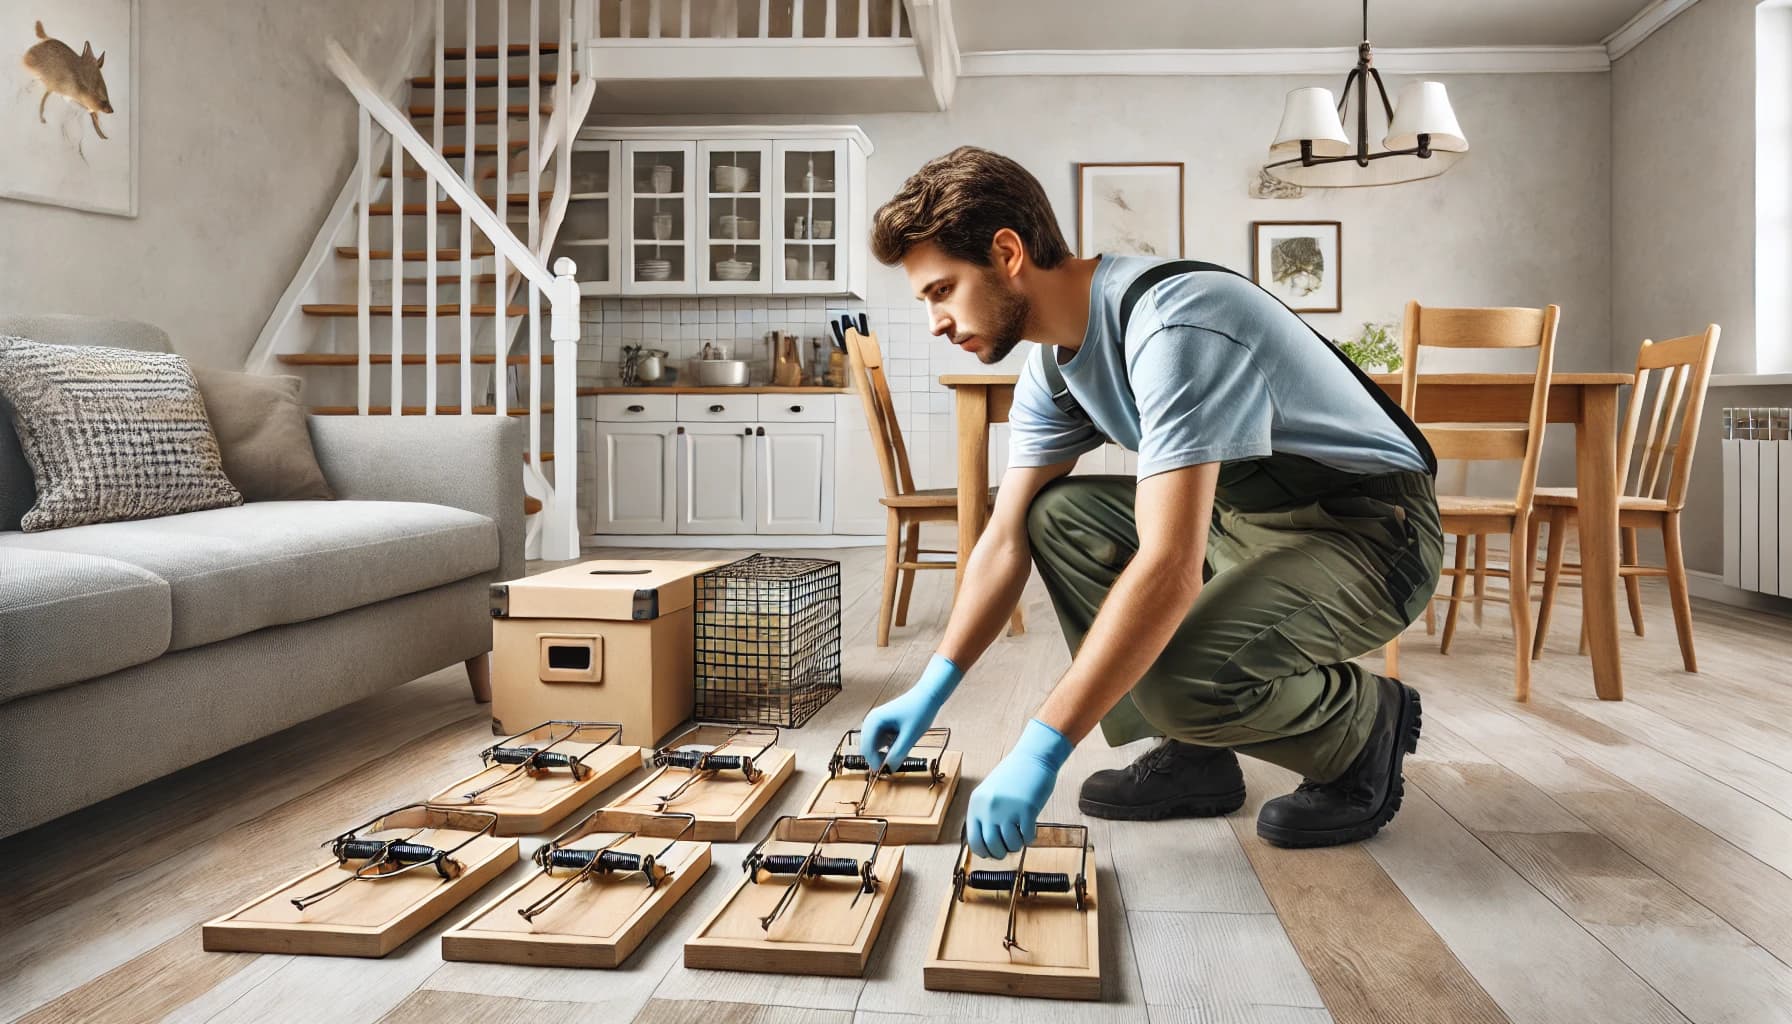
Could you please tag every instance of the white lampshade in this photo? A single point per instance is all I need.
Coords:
(1311, 114)
(1423, 108)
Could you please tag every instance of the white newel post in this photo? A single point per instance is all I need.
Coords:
(560, 531)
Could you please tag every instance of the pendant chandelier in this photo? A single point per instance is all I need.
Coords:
(1311, 149)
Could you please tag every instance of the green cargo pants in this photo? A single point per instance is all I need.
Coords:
(1307, 567)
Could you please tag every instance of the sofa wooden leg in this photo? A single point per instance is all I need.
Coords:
(479, 675)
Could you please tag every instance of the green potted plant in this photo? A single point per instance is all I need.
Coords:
(1376, 348)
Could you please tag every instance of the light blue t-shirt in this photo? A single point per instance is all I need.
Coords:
(1212, 369)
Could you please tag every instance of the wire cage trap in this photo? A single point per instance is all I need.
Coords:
(767, 640)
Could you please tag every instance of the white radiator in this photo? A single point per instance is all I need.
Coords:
(1757, 503)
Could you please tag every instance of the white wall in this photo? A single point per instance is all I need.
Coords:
(246, 139)
(1683, 184)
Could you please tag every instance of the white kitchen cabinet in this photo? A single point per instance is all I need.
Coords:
(736, 209)
(795, 478)
(590, 235)
(734, 464)
(636, 477)
(716, 476)
(659, 218)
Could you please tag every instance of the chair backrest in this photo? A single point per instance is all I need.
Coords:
(1680, 371)
(867, 365)
(1502, 327)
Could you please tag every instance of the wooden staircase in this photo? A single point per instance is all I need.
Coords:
(473, 99)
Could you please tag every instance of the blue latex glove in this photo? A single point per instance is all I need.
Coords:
(896, 725)
(1004, 811)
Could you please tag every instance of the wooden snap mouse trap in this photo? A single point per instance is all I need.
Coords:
(913, 796)
(1023, 926)
(812, 901)
(536, 778)
(391, 877)
(602, 886)
(722, 774)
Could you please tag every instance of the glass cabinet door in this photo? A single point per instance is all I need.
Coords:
(660, 229)
(736, 192)
(812, 199)
(588, 233)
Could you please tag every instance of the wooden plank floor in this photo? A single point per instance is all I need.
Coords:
(1569, 860)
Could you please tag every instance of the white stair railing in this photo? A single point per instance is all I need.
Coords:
(555, 534)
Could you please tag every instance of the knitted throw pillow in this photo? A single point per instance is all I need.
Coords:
(110, 434)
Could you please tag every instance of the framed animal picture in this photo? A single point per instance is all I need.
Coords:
(1300, 262)
(68, 103)
(1129, 209)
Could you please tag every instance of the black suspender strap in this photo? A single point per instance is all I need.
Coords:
(1067, 403)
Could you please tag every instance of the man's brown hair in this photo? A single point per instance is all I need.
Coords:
(960, 201)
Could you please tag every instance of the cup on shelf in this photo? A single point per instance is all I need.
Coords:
(662, 226)
(662, 178)
(793, 269)
(823, 229)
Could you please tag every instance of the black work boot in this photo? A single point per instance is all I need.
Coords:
(1171, 780)
(1358, 803)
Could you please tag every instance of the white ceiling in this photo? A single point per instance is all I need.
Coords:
(1274, 24)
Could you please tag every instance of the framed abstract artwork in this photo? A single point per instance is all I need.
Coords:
(1300, 262)
(68, 103)
(1129, 209)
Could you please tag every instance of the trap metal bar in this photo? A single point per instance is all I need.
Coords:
(1021, 884)
(924, 758)
(577, 865)
(706, 762)
(382, 859)
(533, 753)
(802, 867)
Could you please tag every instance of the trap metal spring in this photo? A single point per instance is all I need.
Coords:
(800, 867)
(533, 753)
(572, 865)
(924, 757)
(749, 743)
(381, 859)
(1021, 884)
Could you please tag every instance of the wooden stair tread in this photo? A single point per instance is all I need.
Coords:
(418, 410)
(531, 505)
(385, 359)
(410, 309)
(484, 81)
(481, 149)
(545, 456)
(512, 200)
(349, 252)
(491, 50)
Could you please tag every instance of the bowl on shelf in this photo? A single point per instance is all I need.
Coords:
(731, 179)
(823, 229)
(653, 270)
(735, 226)
(733, 270)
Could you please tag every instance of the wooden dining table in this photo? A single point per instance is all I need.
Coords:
(1589, 401)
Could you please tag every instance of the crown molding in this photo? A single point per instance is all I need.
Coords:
(1464, 60)
(1644, 25)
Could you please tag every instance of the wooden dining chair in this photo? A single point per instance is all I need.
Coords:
(1467, 517)
(906, 505)
(1680, 372)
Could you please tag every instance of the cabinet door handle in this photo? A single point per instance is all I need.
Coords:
(681, 430)
(717, 408)
(761, 432)
(637, 408)
(747, 431)
(796, 408)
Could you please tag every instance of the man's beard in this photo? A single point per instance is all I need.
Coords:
(1007, 318)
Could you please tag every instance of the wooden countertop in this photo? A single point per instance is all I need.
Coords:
(693, 389)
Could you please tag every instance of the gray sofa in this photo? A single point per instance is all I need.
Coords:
(129, 650)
